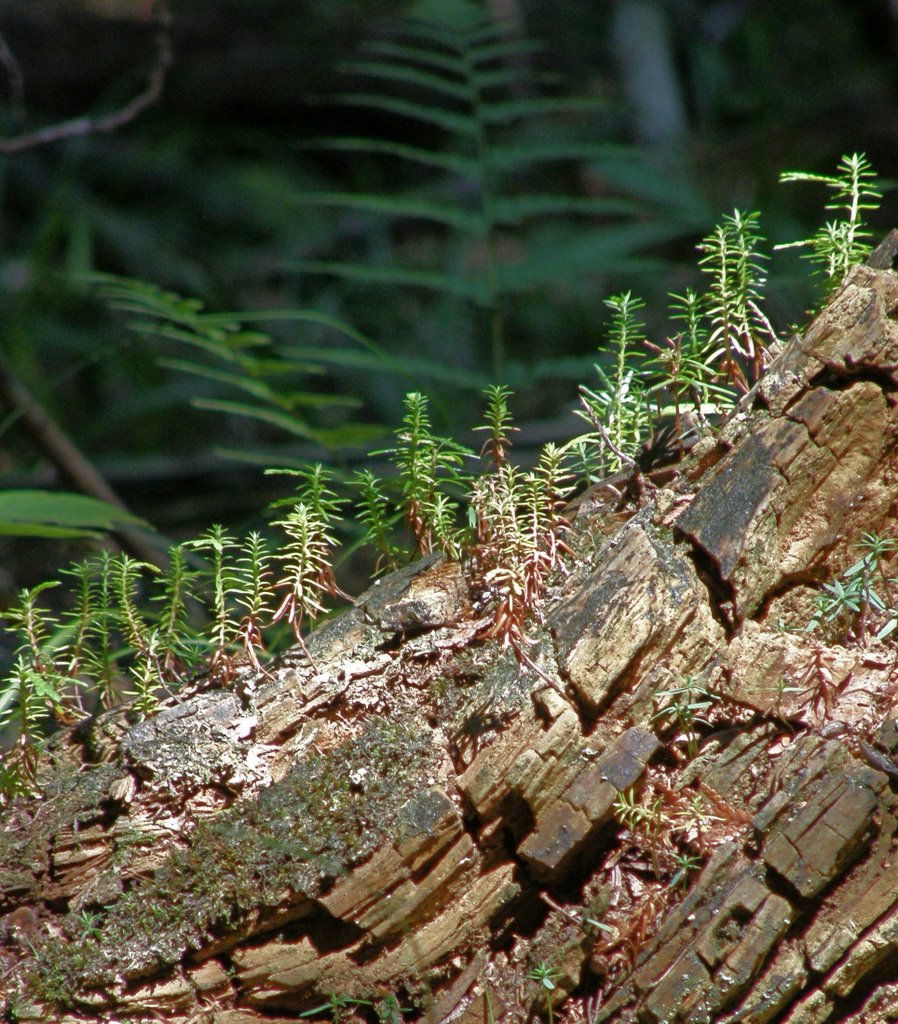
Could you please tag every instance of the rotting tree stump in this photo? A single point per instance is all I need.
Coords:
(408, 816)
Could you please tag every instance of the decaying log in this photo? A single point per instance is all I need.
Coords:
(407, 817)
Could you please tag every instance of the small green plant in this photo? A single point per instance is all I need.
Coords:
(686, 863)
(375, 515)
(218, 545)
(687, 365)
(545, 976)
(431, 470)
(648, 819)
(520, 534)
(618, 408)
(842, 242)
(686, 705)
(734, 262)
(306, 567)
(88, 926)
(335, 1005)
(861, 597)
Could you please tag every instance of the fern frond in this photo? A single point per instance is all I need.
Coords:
(508, 112)
(399, 206)
(406, 74)
(464, 65)
(452, 163)
(448, 63)
(456, 124)
(474, 290)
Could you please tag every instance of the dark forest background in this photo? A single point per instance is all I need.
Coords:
(231, 189)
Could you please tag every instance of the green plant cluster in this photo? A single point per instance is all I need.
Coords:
(132, 630)
(863, 602)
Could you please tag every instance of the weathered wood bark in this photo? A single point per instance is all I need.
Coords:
(411, 815)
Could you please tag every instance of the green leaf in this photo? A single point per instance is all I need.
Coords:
(403, 366)
(473, 289)
(282, 420)
(33, 513)
(167, 330)
(504, 157)
(323, 320)
(416, 55)
(251, 385)
(509, 111)
(458, 124)
(412, 76)
(452, 163)
(398, 206)
(285, 400)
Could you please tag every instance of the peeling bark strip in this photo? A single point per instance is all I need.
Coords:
(409, 818)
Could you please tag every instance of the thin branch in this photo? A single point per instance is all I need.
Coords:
(68, 459)
(110, 122)
(625, 459)
(16, 82)
(763, 322)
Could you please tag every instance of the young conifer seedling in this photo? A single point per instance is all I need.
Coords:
(842, 242)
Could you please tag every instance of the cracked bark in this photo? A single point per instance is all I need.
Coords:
(411, 815)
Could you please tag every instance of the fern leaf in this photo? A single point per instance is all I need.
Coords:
(411, 76)
(472, 289)
(285, 400)
(457, 124)
(508, 157)
(283, 421)
(450, 63)
(508, 111)
(415, 369)
(452, 163)
(250, 385)
(399, 206)
(214, 347)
